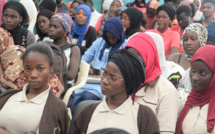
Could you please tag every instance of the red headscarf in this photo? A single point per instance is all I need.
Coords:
(145, 45)
(200, 98)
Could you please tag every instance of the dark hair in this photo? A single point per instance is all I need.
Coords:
(209, 1)
(49, 4)
(48, 14)
(109, 131)
(193, 9)
(90, 1)
(77, 1)
(15, 5)
(174, 1)
(131, 67)
(138, 5)
(40, 47)
(168, 9)
(183, 9)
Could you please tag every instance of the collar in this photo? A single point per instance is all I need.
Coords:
(164, 33)
(153, 82)
(122, 109)
(39, 99)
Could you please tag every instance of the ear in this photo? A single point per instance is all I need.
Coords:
(21, 19)
(51, 68)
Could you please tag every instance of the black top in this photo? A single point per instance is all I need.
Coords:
(89, 38)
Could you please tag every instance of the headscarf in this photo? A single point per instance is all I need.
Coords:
(161, 53)
(114, 26)
(200, 98)
(168, 9)
(135, 20)
(2, 2)
(211, 32)
(154, 4)
(198, 14)
(49, 4)
(67, 23)
(145, 45)
(16, 32)
(81, 30)
(131, 67)
(46, 13)
(32, 13)
(200, 31)
(189, 4)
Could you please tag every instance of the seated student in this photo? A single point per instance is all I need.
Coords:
(208, 11)
(59, 30)
(83, 34)
(13, 18)
(211, 33)
(130, 21)
(61, 6)
(157, 92)
(11, 67)
(165, 14)
(197, 115)
(117, 108)
(113, 38)
(150, 14)
(183, 15)
(34, 109)
(42, 25)
(72, 9)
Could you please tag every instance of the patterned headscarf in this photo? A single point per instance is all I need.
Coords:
(5, 39)
(154, 4)
(67, 23)
(200, 31)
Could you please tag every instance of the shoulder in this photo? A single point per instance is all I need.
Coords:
(30, 34)
(55, 102)
(91, 30)
(175, 28)
(174, 57)
(174, 33)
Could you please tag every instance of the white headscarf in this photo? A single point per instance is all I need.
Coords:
(32, 13)
(198, 14)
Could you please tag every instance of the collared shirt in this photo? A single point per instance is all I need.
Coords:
(164, 101)
(124, 117)
(20, 115)
(170, 39)
(195, 121)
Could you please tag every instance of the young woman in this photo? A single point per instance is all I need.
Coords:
(103, 18)
(42, 25)
(131, 22)
(13, 18)
(157, 92)
(39, 110)
(197, 115)
(59, 30)
(165, 14)
(117, 108)
(11, 67)
(83, 34)
(113, 38)
(72, 9)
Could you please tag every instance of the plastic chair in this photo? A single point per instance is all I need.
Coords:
(80, 82)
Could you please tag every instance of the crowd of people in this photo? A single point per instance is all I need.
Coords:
(156, 64)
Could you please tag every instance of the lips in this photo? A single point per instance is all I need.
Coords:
(194, 85)
(33, 83)
(104, 89)
(8, 26)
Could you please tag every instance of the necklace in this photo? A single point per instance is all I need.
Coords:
(188, 57)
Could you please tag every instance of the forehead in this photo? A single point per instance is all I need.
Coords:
(55, 21)
(36, 56)
(11, 11)
(116, 3)
(190, 33)
(162, 13)
(208, 4)
(199, 64)
(80, 10)
(112, 68)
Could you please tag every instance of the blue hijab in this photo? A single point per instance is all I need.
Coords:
(113, 25)
(80, 30)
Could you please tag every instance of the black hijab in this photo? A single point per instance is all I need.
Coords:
(19, 35)
(135, 18)
(49, 5)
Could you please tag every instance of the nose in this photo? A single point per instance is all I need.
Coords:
(104, 80)
(195, 77)
(8, 19)
(189, 42)
(34, 74)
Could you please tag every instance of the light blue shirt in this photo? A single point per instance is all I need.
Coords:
(94, 51)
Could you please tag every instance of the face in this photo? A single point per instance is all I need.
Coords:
(208, 9)
(114, 6)
(200, 75)
(125, 21)
(81, 17)
(190, 43)
(163, 20)
(43, 24)
(111, 38)
(196, 3)
(183, 20)
(71, 10)
(11, 18)
(56, 30)
(150, 12)
(37, 70)
(112, 83)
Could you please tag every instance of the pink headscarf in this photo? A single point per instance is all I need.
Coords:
(2, 2)
(145, 45)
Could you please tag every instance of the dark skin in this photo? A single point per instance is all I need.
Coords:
(208, 10)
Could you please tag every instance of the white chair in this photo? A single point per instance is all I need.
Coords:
(80, 82)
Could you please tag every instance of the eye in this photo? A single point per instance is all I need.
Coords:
(40, 68)
(202, 73)
(14, 17)
(27, 69)
(113, 79)
(193, 70)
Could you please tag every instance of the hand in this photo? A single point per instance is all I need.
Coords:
(2, 131)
